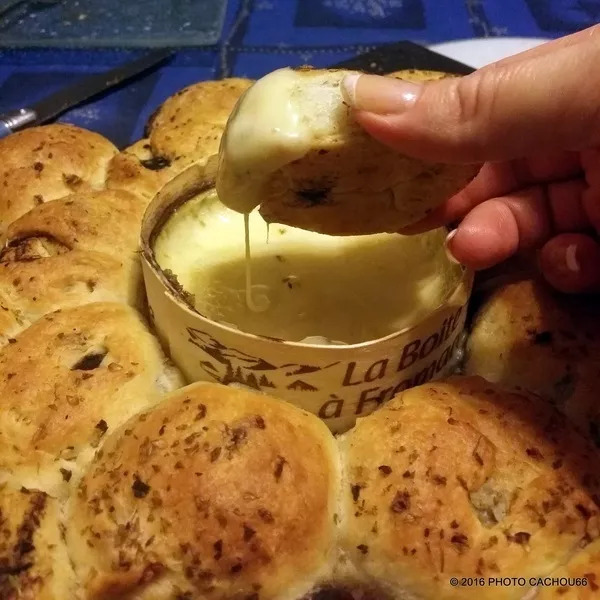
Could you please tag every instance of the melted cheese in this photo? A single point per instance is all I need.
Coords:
(307, 286)
(257, 299)
(274, 123)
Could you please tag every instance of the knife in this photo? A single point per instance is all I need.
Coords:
(82, 90)
(403, 55)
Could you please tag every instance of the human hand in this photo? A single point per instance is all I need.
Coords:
(533, 120)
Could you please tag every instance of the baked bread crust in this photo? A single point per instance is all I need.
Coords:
(214, 493)
(190, 123)
(31, 286)
(33, 556)
(65, 382)
(434, 488)
(72, 251)
(527, 336)
(49, 162)
(347, 183)
(138, 171)
(185, 129)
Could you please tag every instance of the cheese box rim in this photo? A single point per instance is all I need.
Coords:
(198, 179)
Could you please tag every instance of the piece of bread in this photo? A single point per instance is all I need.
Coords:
(462, 479)
(215, 493)
(98, 229)
(186, 129)
(528, 336)
(139, 172)
(31, 288)
(190, 123)
(41, 282)
(107, 221)
(418, 75)
(65, 382)
(34, 564)
(563, 584)
(49, 162)
(293, 147)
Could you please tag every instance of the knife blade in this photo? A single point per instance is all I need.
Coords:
(403, 55)
(84, 89)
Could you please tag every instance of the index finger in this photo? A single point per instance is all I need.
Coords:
(499, 179)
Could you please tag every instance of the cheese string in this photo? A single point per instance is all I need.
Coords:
(260, 302)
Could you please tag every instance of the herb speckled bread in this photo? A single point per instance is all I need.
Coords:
(345, 182)
(527, 336)
(49, 162)
(115, 487)
(460, 478)
(34, 563)
(66, 381)
(185, 129)
(215, 493)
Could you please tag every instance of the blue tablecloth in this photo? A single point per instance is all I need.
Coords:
(261, 35)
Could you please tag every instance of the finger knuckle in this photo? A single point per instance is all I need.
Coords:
(474, 96)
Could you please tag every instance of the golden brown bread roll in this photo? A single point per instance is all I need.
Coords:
(136, 170)
(106, 221)
(34, 564)
(584, 565)
(459, 478)
(31, 287)
(215, 493)
(78, 249)
(293, 147)
(190, 123)
(49, 162)
(525, 335)
(65, 382)
(419, 75)
(185, 129)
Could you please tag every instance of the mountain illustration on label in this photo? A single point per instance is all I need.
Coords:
(229, 365)
(304, 369)
(302, 386)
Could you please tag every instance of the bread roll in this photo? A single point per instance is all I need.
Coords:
(107, 221)
(419, 75)
(139, 172)
(32, 286)
(525, 335)
(49, 162)
(189, 124)
(584, 565)
(460, 478)
(293, 147)
(214, 493)
(65, 382)
(92, 237)
(34, 564)
(185, 129)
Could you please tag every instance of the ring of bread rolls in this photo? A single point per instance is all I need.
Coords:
(112, 490)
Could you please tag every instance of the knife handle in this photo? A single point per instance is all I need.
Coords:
(13, 121)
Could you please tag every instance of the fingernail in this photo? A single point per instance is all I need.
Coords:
(349, 88)
(571, 259)
(449, 254)
(380, 95)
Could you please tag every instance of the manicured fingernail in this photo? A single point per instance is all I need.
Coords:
(571, 259)
(380, 95)
(449, 254)
(349, 88)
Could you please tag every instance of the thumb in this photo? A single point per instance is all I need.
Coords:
(500, 112)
